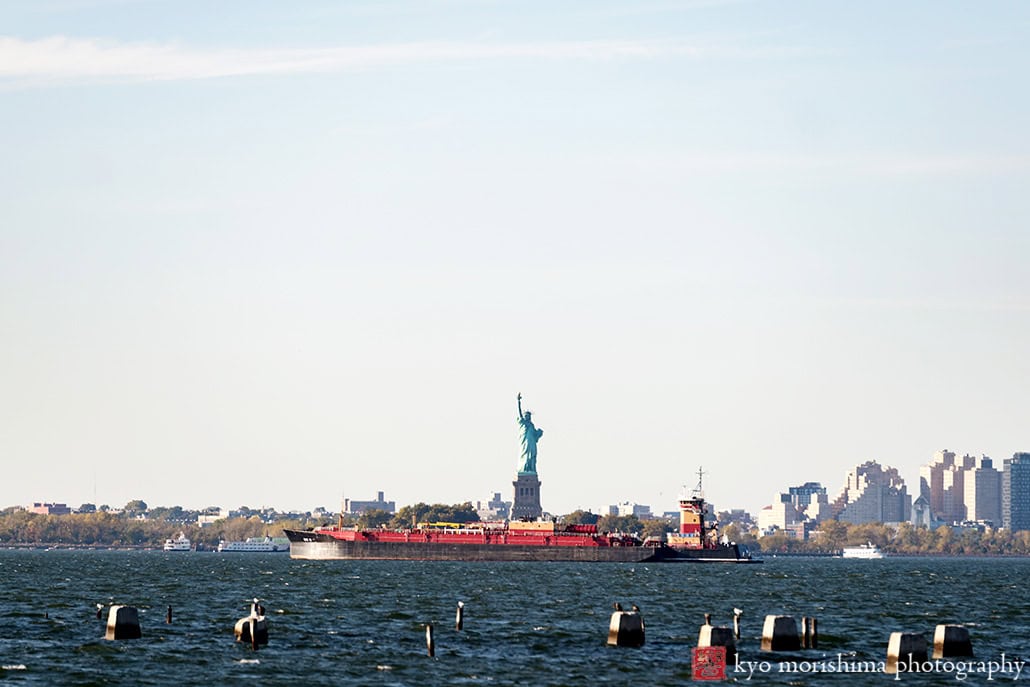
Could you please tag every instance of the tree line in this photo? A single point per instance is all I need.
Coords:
(906, 538)
(108, 529)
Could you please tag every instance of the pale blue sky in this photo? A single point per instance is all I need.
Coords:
(273, 253)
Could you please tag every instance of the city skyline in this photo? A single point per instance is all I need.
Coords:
(266, 254)
(922, 481)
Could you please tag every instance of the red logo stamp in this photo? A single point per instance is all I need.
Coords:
(709, 663)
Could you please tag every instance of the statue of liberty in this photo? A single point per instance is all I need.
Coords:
(530, 435)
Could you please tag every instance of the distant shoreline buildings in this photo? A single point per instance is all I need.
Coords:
(353, 507)
(50, 508)
(959, 491)
(964, 492)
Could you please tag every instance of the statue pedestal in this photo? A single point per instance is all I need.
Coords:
(526, 503)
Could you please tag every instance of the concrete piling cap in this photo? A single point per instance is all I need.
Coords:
(626, 628)
(123, 623)
(780, 633)
(904, 648)
(951, 641)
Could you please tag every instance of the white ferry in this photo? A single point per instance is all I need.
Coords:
(866, 551)
(180, 543)
(256, 545)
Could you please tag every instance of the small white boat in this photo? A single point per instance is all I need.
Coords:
(180, 543)
(866, 551)
(256, 545)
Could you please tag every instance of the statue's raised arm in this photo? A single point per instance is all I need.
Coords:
(530, 436)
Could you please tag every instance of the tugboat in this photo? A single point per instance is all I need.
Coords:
(697, 542)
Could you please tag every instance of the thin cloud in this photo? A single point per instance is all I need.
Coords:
(61, 59)
(1014, 305)
(663, 7)
(872, 164)
(431, 124)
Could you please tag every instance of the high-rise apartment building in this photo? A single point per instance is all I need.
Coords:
(810, 501)
(942, 483)
(1015, 492)
(873, 493)
(982, 495)
(780, 515)
(802, 495)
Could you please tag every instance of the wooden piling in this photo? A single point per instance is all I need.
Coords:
(809, 633)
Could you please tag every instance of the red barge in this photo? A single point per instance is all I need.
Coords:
(520, 541)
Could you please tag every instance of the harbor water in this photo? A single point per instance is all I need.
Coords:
(363, 622)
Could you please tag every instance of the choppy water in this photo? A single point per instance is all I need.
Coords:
(362, 622)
